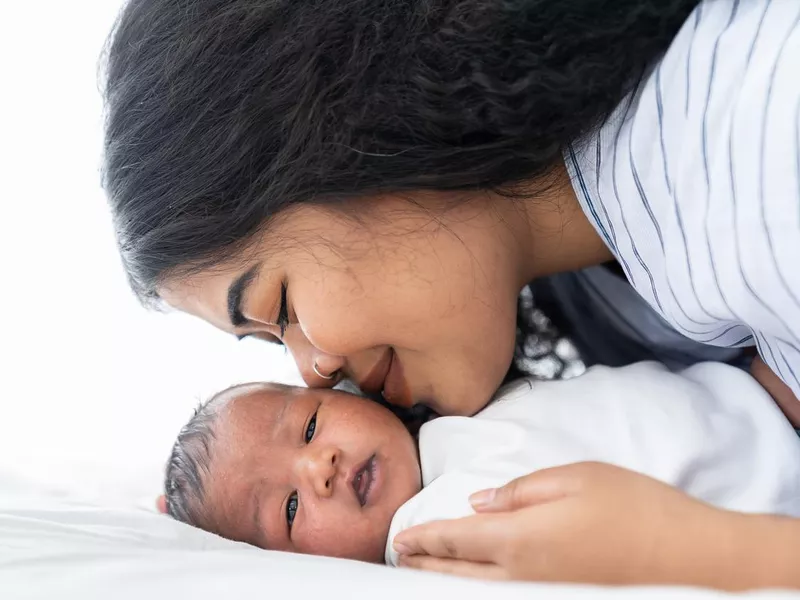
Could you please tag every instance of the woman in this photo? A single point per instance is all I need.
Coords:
(372, 183)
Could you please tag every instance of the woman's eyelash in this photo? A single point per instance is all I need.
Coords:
(269, 339)
(311, 428)
(283, 311)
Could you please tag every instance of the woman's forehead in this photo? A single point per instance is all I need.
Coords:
(307, 245)
(203, 294)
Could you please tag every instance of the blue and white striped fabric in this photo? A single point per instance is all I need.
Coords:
(694, 182)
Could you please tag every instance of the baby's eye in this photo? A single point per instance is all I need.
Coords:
(311, 428)
(291, 509)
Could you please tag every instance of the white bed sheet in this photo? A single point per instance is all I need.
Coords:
(55, 549)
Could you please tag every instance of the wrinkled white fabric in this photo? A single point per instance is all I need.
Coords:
(710, 430)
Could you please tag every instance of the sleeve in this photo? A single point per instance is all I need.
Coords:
(447, 497)
(753, 161)
(727, 152)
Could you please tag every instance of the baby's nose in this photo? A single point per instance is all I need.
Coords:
(321, 468)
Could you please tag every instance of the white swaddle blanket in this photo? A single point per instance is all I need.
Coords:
(710, 430)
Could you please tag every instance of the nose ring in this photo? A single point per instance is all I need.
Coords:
(326, 377)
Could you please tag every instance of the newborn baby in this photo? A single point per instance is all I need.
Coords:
(294, 469)
(325, 472)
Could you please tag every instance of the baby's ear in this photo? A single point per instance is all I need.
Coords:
(161, 504)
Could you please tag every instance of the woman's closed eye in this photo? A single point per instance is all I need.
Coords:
(283, 311)
(282, 321)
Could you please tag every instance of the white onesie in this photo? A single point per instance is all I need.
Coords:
(710, 430)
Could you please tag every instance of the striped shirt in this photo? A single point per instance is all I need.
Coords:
(694, 184)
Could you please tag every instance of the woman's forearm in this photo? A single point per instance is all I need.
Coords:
(762, 551)
(774, 551)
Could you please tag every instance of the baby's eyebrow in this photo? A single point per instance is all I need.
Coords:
(257, 525)
(258, 489)
(278, 423)
(257, 513)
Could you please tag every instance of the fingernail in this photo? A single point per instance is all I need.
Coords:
(483, 498)
(402, 549)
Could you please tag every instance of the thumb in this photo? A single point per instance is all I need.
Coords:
(541, 487)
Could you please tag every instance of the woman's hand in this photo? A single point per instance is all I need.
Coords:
(595, 523)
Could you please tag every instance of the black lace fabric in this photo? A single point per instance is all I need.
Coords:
(542, 350)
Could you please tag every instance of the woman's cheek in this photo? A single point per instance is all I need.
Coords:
(333, 323)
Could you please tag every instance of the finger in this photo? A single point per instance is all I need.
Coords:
(540, 487)
(477, 538)
(161, 504)
(449, 566)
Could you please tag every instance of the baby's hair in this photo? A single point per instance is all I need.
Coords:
(190, 463)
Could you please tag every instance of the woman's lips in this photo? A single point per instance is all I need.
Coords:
(395, 390)
(387, 378)
(373, 383)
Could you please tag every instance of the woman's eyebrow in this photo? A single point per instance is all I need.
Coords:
(236, 292)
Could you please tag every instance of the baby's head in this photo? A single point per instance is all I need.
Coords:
(293, 469)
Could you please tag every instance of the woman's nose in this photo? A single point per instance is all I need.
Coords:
(318, 469)
(318, 369)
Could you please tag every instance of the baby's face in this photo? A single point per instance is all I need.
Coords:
(310, 471)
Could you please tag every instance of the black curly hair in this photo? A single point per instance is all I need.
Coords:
(222, 113)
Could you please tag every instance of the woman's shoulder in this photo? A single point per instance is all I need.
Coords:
(721, 104)
(719, 109)
(695, 182)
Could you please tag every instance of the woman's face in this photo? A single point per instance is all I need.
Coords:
(414, 300)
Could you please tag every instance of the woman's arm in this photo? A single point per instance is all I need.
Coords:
(770, 547)
(782, 394)
(594, 523)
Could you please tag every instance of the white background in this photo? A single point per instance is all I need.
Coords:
(93, 388)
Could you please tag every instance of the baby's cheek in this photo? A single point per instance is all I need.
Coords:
(355, 536)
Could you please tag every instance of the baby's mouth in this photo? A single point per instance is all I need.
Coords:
(362, 480)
